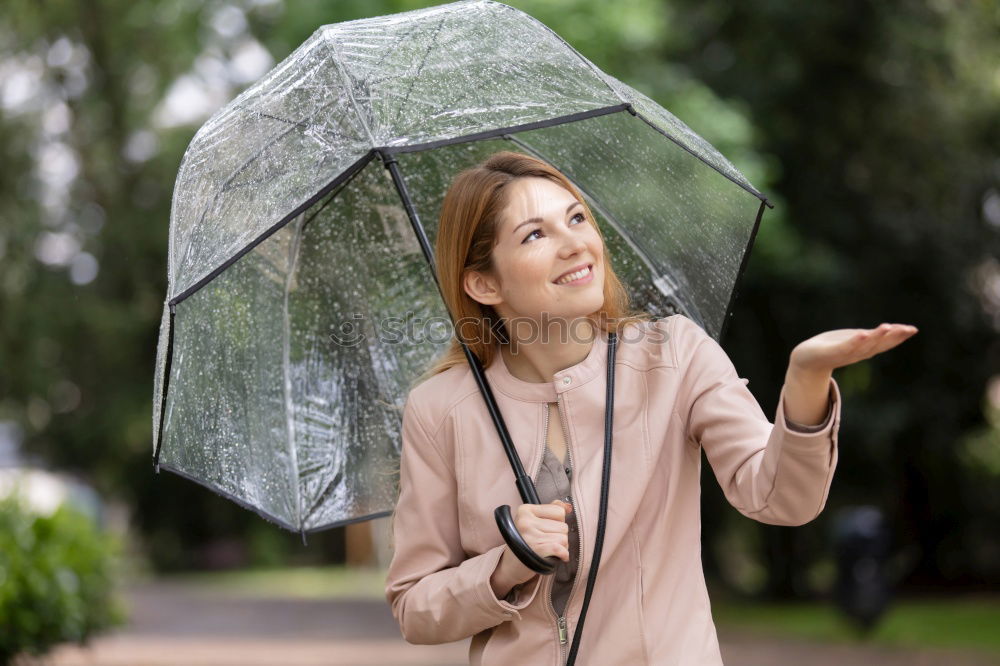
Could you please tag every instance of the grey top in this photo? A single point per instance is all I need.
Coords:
(552, 484)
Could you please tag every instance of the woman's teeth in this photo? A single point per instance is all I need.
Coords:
(574, 276)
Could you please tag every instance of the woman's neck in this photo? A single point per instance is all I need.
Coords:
(538, 359)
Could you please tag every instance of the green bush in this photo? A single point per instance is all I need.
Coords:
(56, 579)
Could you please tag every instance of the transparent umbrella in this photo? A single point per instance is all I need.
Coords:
(302, 223)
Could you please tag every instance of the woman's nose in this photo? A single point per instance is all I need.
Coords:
(573, 243)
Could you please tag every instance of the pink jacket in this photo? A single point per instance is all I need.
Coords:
(676, 392)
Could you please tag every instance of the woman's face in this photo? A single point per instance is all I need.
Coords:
(543, 235)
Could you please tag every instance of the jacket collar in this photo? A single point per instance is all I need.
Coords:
(500, 379)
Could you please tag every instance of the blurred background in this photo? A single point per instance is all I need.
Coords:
(875, 129)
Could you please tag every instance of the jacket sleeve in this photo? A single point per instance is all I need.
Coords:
(436, 592)
(776, 473)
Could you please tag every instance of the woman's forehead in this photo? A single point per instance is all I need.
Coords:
(532, 197)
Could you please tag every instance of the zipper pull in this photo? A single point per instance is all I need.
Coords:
(562, 631)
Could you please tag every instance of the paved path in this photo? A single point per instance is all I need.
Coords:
(173, 625)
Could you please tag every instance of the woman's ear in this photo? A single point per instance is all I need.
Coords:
(481, 288)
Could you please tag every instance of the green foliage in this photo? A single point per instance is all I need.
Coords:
(57, 577)
(882, 119)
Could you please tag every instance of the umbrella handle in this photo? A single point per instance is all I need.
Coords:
(520, 547)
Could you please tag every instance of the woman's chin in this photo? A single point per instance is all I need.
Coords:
(577, 311)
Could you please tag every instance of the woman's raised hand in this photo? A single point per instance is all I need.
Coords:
(835, 349)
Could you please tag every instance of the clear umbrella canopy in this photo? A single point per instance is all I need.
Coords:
(296, 276)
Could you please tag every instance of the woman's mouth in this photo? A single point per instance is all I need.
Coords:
(582, 276)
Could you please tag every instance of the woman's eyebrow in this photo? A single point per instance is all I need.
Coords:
(534, 220)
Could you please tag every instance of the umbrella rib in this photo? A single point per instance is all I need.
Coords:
(168, 362)
(286, 353)
(420, 68)
(501, 131)
(299, 123)
(601, 209)
(348, 87)
(292, 126)
(350, 521)
(227, 185)
(342, 178)
(739, 275)
(330, 486)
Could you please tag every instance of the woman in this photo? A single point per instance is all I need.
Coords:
(523, 268)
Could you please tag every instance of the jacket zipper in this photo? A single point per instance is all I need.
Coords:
(561, 628)
(560, 621)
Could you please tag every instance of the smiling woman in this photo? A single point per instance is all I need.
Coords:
(511, 229)
(518, 253)
(520, 259)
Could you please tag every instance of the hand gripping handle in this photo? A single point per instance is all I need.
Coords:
(520, 547)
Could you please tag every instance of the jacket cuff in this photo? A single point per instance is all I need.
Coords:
(816, 437)
(795, 426)
(522, 594)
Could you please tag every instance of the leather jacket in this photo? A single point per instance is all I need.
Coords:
(676, 393)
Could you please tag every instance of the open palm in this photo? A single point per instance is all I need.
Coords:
(844, 346)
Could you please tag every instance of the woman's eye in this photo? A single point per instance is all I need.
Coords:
(583, 218)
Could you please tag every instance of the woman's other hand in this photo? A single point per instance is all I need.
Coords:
(544, 529)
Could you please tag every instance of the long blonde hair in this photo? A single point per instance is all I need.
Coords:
(467, 233)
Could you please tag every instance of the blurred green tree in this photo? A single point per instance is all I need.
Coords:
(884, 121)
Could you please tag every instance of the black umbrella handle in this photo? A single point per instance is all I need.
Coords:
(508, 529)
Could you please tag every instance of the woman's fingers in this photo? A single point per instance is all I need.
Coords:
(556, 525)
(552, 526)
(544, 528)
(883, 338)
(565, 505)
